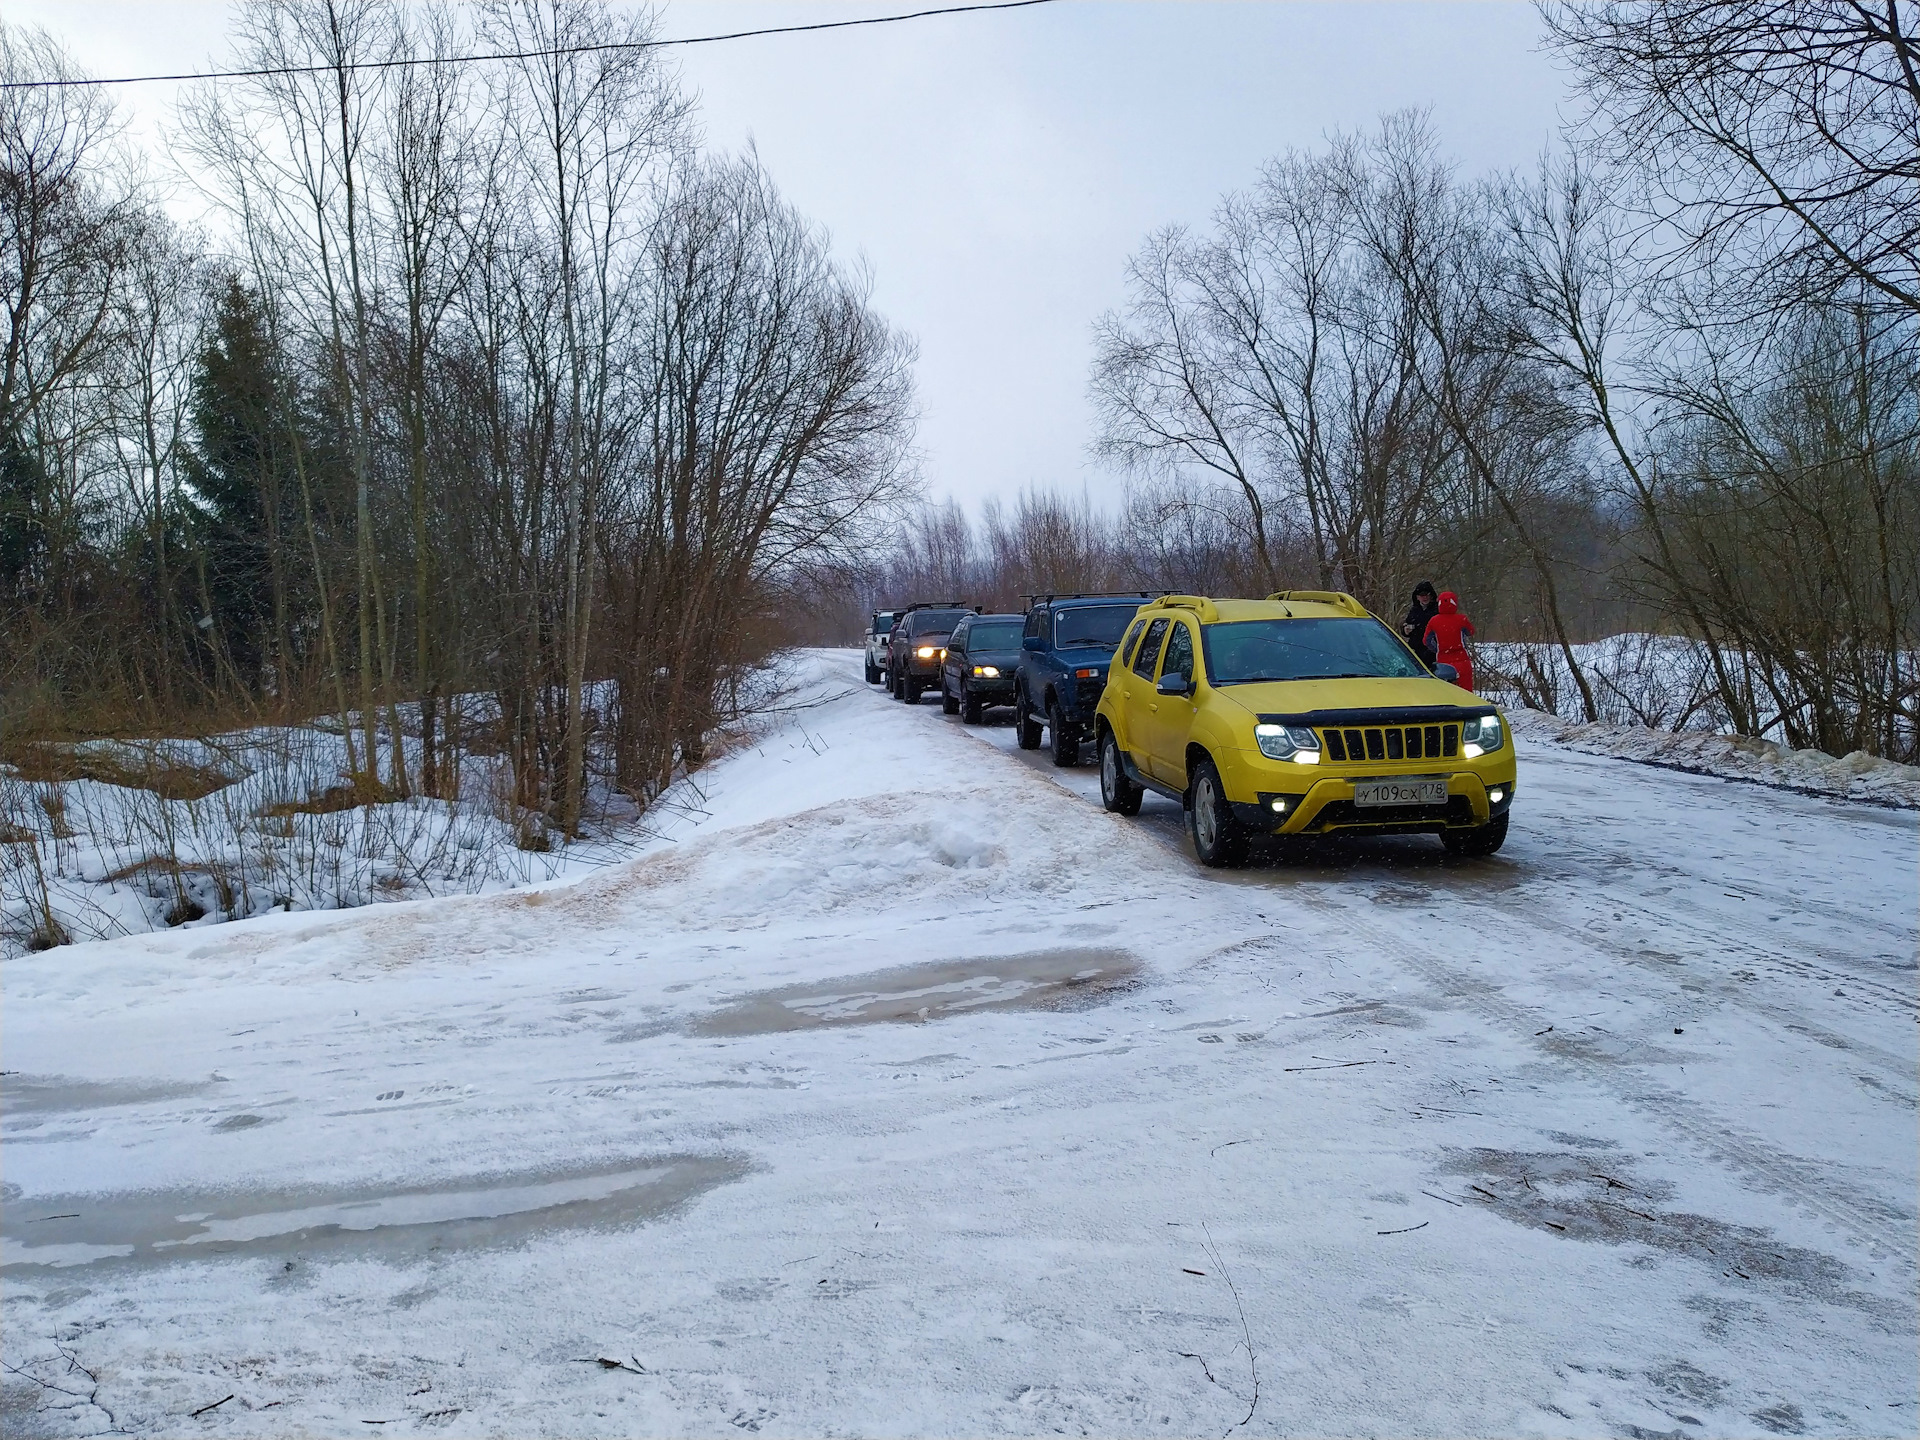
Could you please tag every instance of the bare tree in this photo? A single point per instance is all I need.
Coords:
(65, 221)
(591, 112)
(428, 168)
(1779, 139)
(1281, 354)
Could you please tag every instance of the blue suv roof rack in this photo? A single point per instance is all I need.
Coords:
(1051, 596)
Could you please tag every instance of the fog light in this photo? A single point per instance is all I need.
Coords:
(1496, 796)
(1280, 805)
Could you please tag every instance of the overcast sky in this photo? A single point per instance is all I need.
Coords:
(995, 171)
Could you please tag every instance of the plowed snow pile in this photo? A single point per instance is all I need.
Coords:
(1858, 776)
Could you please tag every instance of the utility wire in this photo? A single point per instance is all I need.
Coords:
(524, 54)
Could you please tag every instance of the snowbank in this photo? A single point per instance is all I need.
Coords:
(1858, 776)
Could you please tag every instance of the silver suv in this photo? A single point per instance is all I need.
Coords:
(877, 634)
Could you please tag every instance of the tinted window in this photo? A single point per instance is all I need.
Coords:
(1149, 649)
(959, 640)
(1126, 646)
(1179, 653)
(996, 635)
(883, 623)
(1325, 649)
(926, 622)
(1093, 625)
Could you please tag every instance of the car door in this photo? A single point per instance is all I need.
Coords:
(1120, 678)
(955, 665)
(1171, 716)
(1141, 702)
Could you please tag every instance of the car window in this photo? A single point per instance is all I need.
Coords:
(996, 635)
(1091, 625)
(883, 623)
(959, 638)
(1179, 659)
(1247, 651)
(1133, 637)
(1149, 649)
(925, 622)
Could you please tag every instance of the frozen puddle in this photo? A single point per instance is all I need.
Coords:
(1046, 979)
(158, 1227)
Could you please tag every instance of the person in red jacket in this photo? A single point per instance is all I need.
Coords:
(1445, 634)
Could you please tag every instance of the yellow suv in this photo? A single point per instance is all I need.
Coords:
(1300, 714)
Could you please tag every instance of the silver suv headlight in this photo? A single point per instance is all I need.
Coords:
(1481, 736)
(1288, 742)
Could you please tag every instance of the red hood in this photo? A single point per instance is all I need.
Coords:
(1449, 602)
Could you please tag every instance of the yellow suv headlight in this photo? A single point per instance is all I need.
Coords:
(1481, 736)
(1288, 742)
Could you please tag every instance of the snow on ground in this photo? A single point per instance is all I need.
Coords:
(141, 835)
(905, 1091)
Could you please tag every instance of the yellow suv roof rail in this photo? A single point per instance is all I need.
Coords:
(1338, 599)
(1199, 604)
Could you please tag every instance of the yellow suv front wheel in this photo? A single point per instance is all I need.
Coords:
(1218, 837)
(1480, 840)
(1117, 791)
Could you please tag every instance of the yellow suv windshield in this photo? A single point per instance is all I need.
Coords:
(1244, 652)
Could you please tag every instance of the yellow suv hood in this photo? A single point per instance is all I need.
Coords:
(1297, 697)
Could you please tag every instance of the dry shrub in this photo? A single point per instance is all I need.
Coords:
(166, 878)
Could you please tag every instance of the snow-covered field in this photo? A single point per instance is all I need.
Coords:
(902, 1090)
(149, 834)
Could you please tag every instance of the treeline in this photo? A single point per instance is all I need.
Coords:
(1670, 379)
(491, 382)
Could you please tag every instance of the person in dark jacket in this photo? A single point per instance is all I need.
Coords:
(1414, 627)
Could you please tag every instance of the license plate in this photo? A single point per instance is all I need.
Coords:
(1415, 790)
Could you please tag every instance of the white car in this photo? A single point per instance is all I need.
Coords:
(877, 645)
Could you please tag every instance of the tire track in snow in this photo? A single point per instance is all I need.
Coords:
(1759, 944)
(1882, 1227)
(1896, 1070)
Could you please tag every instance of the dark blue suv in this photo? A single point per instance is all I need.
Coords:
(1067, 645)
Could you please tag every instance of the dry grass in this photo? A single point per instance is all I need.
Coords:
(131, 766)
(334, 799)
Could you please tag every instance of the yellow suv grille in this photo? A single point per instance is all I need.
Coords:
(1392, 742)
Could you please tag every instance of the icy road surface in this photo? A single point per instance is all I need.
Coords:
(907, 1092)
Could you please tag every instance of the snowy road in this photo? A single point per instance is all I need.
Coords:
(907, 1092)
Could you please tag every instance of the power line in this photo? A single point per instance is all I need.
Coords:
(525, 54)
